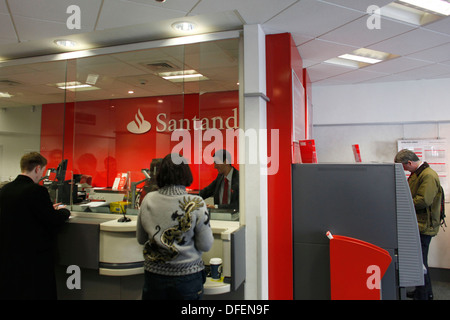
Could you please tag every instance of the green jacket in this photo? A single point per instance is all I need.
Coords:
(426, 193)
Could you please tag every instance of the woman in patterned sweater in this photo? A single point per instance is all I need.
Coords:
(174, 228)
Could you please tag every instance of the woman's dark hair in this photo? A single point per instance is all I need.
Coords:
(174, 170)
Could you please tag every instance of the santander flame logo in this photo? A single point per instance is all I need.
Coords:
(139, 125)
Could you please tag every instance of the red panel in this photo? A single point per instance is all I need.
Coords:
(356, 269)
(281, 56)
(57, 134)
(98, 141)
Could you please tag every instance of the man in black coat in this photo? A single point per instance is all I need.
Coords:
(28, 225)
(225, 188)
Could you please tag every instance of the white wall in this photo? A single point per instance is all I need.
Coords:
(375, 116)
(20, 132)
(400, 101)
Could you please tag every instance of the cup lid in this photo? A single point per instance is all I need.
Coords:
(215, 261)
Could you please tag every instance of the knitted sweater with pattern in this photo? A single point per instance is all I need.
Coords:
(174, 228)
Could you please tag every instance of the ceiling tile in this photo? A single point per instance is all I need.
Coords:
(387, 78)
(117, 13)
(39, 19)
(252, 11)
(179, 5)
(329, 82)
(7, 33)
(436, 54)
(309, 63)
(442, 25)
(321, 50)
(321, 29)
(323, 71)
(360, 5)
(358, 75)
(396, 65)
(442, 76)
(412, 41)
(30, 29)
(357, 33)
(3, 7)
(35, 78)
(55, 10)
(425, 72)
(312, 18)
(300, 39)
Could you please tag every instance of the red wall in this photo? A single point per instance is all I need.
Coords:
(281, 57)
(97, 142)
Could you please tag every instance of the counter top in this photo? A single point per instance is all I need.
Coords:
(116, 226)
(212, 287)
(109, 222)
(87, 220)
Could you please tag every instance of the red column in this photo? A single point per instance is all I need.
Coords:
(281, 58)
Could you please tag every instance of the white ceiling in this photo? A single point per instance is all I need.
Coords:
(322, 29)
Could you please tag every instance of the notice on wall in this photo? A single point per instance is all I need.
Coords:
(356, 152)
(298, 111)
(120, 181)
(434, 152)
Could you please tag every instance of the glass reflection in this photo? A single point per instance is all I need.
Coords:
(112, 115)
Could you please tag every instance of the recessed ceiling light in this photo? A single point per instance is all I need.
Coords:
(5, 95)
(436, 6)
(185, 75)
(66, 43)
(184, 26)
(74, 86)
(130, 91)
(359, 58)
(416, 12)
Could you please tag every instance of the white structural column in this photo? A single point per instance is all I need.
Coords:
(253, 190)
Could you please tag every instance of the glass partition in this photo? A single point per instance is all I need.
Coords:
(114, 116)
(23, 91)
(219, 120)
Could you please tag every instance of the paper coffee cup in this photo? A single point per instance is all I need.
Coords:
(216, 268)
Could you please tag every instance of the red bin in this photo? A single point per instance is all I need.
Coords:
(356, 268)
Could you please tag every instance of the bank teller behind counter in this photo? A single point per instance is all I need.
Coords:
(225, 188)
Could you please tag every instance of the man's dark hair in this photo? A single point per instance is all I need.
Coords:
(223, 155)
(171, 173)
(31, 160)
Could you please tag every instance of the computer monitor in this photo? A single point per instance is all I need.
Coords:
(61, 171)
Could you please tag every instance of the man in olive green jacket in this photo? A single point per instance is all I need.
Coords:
(426, 192)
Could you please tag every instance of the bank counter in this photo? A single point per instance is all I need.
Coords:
(111, 260)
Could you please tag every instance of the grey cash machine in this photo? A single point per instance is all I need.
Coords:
(369, 202)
